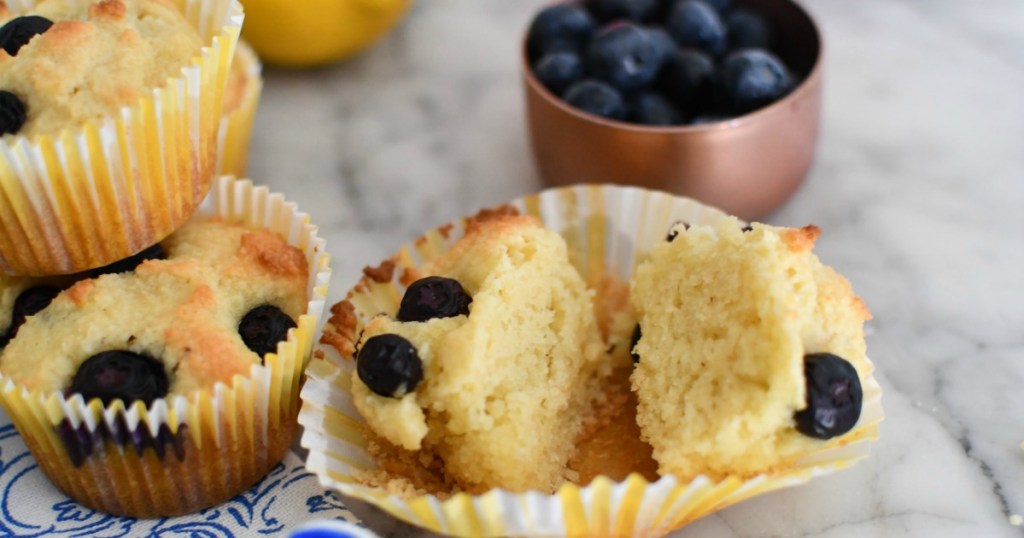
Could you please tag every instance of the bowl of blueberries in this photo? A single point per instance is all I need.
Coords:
(718, 100)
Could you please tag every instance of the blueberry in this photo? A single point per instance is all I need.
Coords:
(20, 30)
(753, 78)
(29, 303)
(389, 365)
(12, 113)
(653, 109)
(434, 297)
(559, 28)
(673, 233)
(834, 397)
(33, 300)
(635, 10)
(720, 5)
(121, 375)
(747, 29)
(694, 23)
(688, 79)
(633, 342)
(663, 41)
(155, 252)
(558, 70)
(626, 56)
(704, 119)
(596, 98)
(263, 327)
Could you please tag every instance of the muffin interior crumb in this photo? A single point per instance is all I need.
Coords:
(608, 444)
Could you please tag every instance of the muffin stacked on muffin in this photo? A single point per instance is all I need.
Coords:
(750, 351)
(109, 111)
(488, 360)
(129, 324)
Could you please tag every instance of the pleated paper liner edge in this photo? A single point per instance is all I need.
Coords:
(236, 125)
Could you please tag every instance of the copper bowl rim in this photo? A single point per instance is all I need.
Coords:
(728, 123)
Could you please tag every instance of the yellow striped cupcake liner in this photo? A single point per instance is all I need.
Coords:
(239, 112)
(88, 196)
(183, 454)
(607, 228)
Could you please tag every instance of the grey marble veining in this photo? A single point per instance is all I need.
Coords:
(918, 186)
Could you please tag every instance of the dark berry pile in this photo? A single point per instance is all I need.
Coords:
(657, 62)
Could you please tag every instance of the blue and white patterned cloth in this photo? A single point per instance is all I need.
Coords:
(282, 502)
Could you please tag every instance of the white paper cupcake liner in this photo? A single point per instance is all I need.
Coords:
(236, 125)
(182, 454)
(607, 229)
(90, 195)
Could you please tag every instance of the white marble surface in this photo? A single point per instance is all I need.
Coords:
(918, 185)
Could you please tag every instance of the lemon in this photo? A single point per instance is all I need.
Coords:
(307, 33)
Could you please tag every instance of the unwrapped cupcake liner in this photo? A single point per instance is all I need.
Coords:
(184, 453)
(236, 125)
(94, 194)
(608, 229)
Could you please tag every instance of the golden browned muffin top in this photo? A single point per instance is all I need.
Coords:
(190, 309)
(96, 58)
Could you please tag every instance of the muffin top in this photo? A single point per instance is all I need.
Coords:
(730, 319)
(95, 58)
(209, 303)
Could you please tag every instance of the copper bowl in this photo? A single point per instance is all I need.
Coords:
(747, 166)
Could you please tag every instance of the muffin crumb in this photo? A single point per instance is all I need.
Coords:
(801, 239)
(340, 330)
(381, 273)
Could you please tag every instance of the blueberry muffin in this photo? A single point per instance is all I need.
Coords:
(161, 349)
(749, 351)
(65, 63)
(491, 362)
